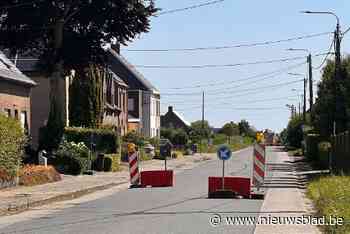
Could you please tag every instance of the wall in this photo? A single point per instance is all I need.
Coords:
(15, 97)
(40, 102)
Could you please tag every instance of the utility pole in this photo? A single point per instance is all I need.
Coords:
(202, 135)
(311, 101)
(304, 107)
(340, 117)
(299, 108)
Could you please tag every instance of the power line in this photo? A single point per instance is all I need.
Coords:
(279, 71)
(225, 65)
(189, 7)
(240, 101)
(217, 93)
(221, 65)
(326, 57)
(232, 46)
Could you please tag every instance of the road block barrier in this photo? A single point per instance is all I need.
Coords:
(259, 165)
(159, 178)
(239, 185)
(134, 168)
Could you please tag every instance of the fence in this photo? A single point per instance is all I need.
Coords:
(341, 152)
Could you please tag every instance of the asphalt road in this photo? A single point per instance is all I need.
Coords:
(183, 208)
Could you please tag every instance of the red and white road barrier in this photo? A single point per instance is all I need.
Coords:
(259, 165)
(134, 168)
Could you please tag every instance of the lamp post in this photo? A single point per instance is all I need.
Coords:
(309, 61)
(304, 96)
(339, 112)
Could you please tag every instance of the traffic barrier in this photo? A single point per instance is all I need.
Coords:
(157, 178)
(259, 165)
(240, 185)
(134, 168)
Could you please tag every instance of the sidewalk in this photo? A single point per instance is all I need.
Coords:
(18, 199)
(285, 195)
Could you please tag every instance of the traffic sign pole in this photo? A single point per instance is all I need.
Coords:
(223, 174)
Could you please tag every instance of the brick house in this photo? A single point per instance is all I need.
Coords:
(115, 96)
(172, 119)
(15, 93)
(143, 97)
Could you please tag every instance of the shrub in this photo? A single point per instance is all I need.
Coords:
(312, 141)
(220, 139)
(31, 175)
(72, 158)
(134, 137)
(155, 142)
(177, 154)
(111, 162)
(106, 140)
(323, 154)
(12, 141)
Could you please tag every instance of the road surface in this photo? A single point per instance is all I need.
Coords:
(183, 208)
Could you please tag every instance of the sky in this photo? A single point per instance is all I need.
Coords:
(236, 92)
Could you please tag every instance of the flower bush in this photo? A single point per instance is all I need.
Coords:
(31, 175)
(72, 158)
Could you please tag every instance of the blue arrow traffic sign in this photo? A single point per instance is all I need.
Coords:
(224, 153)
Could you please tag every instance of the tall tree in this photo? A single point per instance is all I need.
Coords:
(230, 129)
(69, 33)
(324, 109)
(86, 101)
(200, 130)
(245, 128)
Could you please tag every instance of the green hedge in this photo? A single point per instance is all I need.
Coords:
(312, 141)
(12, 140)
(106, 140)
(324, 148)
(111, 162)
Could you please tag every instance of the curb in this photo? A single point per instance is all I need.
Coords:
(63, 197)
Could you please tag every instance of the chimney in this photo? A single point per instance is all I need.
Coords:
(170, 109)
(116, 47)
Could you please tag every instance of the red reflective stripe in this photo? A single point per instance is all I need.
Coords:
(133, 173)
(132, 163)
(259, 157)
(259, 171)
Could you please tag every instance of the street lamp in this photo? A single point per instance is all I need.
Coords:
(309, 61)
(339, 112)
(304, 106)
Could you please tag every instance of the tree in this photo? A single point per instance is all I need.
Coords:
(324, 111)
(230, 129)
(175, 136)
(295, 131)
(199, 130)
(245, 129)
(86, 103)
(66, 34)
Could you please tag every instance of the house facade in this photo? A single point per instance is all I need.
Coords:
(143, 97)
(15, 93)
(115, 97)
(172, 119)
(116, 102)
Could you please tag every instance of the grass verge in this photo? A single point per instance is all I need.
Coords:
(331, 196)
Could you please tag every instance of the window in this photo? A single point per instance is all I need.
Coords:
(125, 100)
(116, 94)
(8, 112)
(24, 121)
(131, 106)
(16, 114)
(109, 88)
